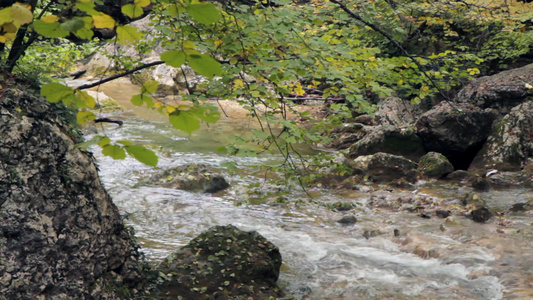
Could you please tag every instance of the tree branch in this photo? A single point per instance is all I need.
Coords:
(393, 41)
(119, 75)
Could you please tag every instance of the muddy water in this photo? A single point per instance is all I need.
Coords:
(435, 258)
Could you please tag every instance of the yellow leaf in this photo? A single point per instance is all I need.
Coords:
(528, 86)
(238, 83)
(21, 14)
(50, 19)
(170, 108)
(5, 15)
(142, 3)
(103, 21)
(424, 88)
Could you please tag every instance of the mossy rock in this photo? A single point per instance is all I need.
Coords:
(223, 263)
(434, 165)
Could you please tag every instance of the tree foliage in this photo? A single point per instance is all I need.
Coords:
(267, 54)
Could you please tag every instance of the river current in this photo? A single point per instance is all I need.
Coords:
(435, 258)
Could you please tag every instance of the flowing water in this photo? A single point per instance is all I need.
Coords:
(430, 259)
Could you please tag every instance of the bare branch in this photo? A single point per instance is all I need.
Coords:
(120, 75)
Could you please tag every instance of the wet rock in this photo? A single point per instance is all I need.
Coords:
(396, 232)
(442, 213)
(457, 131)
(347, 220)
(369, 233)
(522, 206)
(501, 92)
(384, 167)
(459, 175)
(61, 236)
(481, 214)
(510, 179)
(195, 178)
(473, 200)
(510, 144)
(480, 184)
(388, 139)
(342, 206)
(223, 263)
(397, 112)
(434, 165)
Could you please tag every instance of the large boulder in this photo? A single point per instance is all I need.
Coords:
(457, 131)
(510, 144)
(502, 91)
(194, 178)
(397, 112)
(389, 139)
(61, 236)
(223, 263)
(385, 167)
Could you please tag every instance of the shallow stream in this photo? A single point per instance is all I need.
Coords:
(430, 259)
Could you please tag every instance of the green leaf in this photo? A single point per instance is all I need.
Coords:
(56, 92)
(51, 30)
(87, 7)
(205, 65)
(104, 141)
(115, 151)
(149, 87)
(137, 100)
(173, 58)
(207, 113)
(84, 117)
(72, 25)
(140, 153)
(85, 145)
(205, 13)
(184, 120)
(132, 11)
(128, 34)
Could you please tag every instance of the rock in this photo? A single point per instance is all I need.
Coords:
(388, 139)
(480, 184)
(442, 213)
(459, 175)
(397, 112)
(342, 206)
(509, 179)
(61, 236)
(364, 119)
(457, 131)
(481, 214)
(368, 233)
(510, 144)
(223, 263)
(384, 167)
(345, 136)
(502, 91)
(473, 200)
(103, 101)
(434, 165)
(347, 220)
(195, 178)
(522, 206)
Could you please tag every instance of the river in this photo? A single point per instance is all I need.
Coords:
(432, 258)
